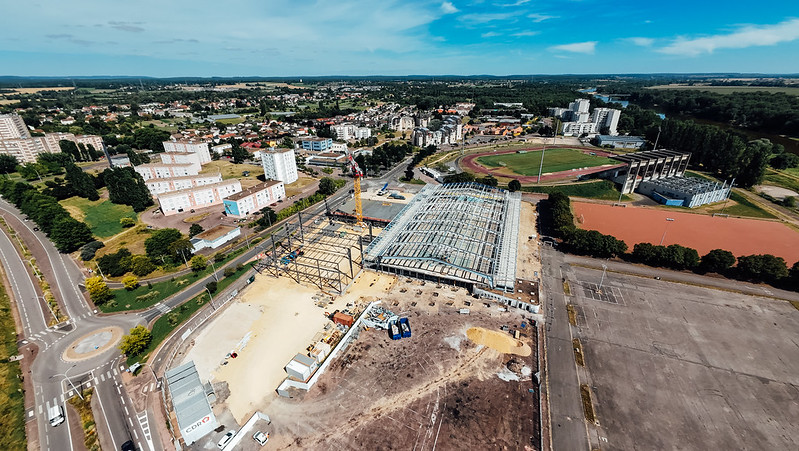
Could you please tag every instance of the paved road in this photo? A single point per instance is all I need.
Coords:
(52, 377)
(568, 421)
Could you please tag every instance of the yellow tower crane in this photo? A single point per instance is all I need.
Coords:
(358, 175)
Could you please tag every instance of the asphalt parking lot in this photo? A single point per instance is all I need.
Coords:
(675, 366)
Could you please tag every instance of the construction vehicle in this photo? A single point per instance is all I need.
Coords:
(394, 331)
(357, 173)
(405, 328)
(396, 196)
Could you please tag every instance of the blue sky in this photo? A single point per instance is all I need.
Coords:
(392, 37)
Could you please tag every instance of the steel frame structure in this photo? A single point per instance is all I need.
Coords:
(461, 233)
(325, 247)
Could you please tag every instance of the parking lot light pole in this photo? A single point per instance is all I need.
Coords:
(602, 279)
(665, 229)
(210, 298)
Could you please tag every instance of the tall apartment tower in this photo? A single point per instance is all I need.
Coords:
(580, 105)
(13, 127)
(606, 117)
(280, 164)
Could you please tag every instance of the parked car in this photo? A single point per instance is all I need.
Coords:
(226, 439)
(261, 438)
(128, 446)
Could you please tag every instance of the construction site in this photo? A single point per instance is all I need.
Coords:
(356, 336)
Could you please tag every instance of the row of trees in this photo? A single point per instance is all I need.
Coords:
(757, 268)
(126, 186)
(66, 233)
(384, 157)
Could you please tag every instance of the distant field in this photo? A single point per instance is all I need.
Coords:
(785, 179)
(101, 216)
(230, 170)
(35, 90)
(730, 89)
(599, 189)
(555, 160)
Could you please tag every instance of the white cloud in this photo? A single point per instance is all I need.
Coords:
(643, 42)
(540, 17)
(577, 47)
(489, 34)
(448, 8)
(748, 36)
(486, 18)
(516, 3)
(526, 33)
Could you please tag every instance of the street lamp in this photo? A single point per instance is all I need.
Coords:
(35, 271)
(665, 229)
(210, 298)
(214, 268)
(44, 299)
(69, 380)
(601, 280)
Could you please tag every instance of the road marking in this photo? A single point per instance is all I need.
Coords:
(30, 413)
(89, 383)
(108, 425)
(152, 386)
(116, 373)
(108, 375)
(40, 409)
(102, 377)
(123, 400)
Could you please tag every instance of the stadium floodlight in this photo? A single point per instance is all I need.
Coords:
(668, 220)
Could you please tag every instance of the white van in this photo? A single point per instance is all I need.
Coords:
(55, 415)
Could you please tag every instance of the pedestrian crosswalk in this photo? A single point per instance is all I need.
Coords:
(163, 308)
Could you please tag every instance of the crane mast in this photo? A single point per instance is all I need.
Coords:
(357, 173)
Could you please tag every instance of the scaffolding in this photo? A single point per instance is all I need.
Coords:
(461, 233)
(317, 251)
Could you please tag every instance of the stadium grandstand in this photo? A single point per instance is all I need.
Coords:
(465, 234)
(649, 165)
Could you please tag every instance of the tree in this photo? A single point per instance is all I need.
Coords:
(136, 342)
(82, 183)
(212, 286)
(195, 229)
(762, 268)
(98, 290)
(784, 160)
(269, 217)
(409, 173)
(141, 265)
(239, 154)
(718, 261)
(8, 163)
(130, 282)
(327, 186)
(488, 180)
(150, 138)
(198, 263)
(126, 186)
(461, 177)
(158, 244)
(514, 185)
(115, 264)
(127, 222)
(70, 148)
(69, 234)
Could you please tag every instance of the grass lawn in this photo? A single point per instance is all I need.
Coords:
(235, 120)
(784, 180)
(12, 401)
(164, 325)
(555, 160)
(741, 207)
(295, 188)
(600, 189)
(147, 297)
(101, 216)
(230, 170)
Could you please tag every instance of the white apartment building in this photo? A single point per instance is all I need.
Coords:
(200, 148)
(182, 158)
(253, 199)
(12, 127)
(345, 132)
(280, 164)
(578, 128)
(580, 105)
(165, 185)
(197, 197)
(606, 117)
(24, 149)
(160, 171)
(222, 148)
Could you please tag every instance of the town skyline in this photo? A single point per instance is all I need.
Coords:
(356, 38)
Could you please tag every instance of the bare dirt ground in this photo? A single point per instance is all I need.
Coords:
(435, 390)
(776, 192)
(528, 262)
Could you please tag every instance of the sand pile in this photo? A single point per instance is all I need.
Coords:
(498, 341)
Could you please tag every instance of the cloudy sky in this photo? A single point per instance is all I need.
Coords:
(391, 37)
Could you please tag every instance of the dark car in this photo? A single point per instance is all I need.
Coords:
(128, 446)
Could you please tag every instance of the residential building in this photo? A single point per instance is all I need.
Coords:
(197, 197)
(165, 185)
(13, 127)
(160, 170)
(198, 147)
(580, 106)
(606, 117)
(25, 150)
(343, 132)
(119, 161)
(578, 128)
(327, 159)
(317, 144)
(182, 158)
(254, 199)
(280, 164)
(222, 148)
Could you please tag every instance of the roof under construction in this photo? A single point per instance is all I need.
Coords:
(464, 233)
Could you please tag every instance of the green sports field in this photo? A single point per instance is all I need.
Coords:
(555, 160)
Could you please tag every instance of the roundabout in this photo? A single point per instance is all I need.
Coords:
(93, 344)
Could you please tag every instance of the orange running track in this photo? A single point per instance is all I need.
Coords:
(701, 232)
